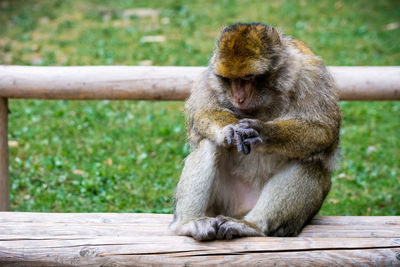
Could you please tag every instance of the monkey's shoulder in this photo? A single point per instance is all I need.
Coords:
(307, 55)
(302, 47)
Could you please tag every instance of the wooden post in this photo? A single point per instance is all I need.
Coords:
(4, 185)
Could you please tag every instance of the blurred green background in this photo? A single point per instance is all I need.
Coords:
(126, 156)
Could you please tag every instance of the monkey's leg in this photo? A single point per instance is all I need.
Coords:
(290, 199)
(194, 194)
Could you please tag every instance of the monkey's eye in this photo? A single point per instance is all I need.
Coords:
(224, 79)
(262, 77)
(249, 77)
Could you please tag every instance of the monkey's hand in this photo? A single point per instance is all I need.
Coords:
(229, 228)
(250, 124)
(242, 136)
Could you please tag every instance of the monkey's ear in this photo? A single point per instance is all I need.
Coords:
(274, 36)
(225, 29)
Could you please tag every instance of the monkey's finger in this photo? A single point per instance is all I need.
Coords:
(247, 120)
(253, 141)
(250, 133)
(230, 136)
(243, 125)
(243, 129)
(246, 148)
(240, 147)
(239, 142)
(250, 123)
(229, 140)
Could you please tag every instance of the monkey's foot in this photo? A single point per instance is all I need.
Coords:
(202, 229)
(229, 228)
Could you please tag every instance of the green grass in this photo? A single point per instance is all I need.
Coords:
(126, 156)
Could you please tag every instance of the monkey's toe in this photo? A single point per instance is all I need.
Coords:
(229, 228)
(227, 231)
(206, 235)
(204, 229)
(221, 219)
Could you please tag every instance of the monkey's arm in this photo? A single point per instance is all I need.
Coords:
(295, 138)
(210, 124)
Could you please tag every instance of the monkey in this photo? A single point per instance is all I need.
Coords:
(263, 125)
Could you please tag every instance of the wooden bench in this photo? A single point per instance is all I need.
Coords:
(54, 239)
(110, 239)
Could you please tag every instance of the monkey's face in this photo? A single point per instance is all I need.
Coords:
(247, 93)
(244, 58)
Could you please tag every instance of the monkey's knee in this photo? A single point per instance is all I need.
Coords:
(291, 199)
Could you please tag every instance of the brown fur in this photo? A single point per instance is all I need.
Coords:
(304, 49)
(236, 58)
(261, 155)
(204, 121)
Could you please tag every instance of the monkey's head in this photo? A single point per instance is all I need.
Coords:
(244, 61)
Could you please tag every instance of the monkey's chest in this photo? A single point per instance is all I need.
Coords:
(255, 168)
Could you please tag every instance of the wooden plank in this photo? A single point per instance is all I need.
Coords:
(144, 218)
(93, 239)
(165, 83)
(184, 250)
(4, 172)
(150, 244)
(104, 229)
(118, 218)
(92, 257)
(157, 224)
(356, 220)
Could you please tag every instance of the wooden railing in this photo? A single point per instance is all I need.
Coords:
(149, 83)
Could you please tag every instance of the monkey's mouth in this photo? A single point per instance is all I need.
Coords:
(243, 100)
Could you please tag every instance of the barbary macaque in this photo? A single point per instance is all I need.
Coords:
(263, 126)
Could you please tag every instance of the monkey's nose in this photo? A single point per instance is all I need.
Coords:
(241, 100)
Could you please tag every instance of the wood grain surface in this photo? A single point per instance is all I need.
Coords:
(110, 239)
(165, 83)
